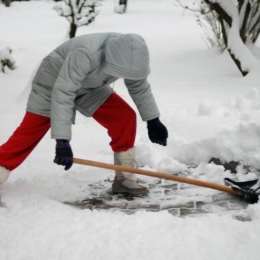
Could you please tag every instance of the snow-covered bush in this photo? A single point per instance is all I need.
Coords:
(216, 21)
(78, 12)
(6, 59)
(230, 24)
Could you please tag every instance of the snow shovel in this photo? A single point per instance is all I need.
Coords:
(244, 190)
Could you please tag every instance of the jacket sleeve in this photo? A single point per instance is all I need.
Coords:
(74, 69)
(141, 93)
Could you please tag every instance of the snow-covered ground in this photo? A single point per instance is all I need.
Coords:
(210, 111)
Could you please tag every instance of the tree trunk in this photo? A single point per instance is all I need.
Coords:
(121, 6)
(7, 3)
(73, 29)
(238, 63)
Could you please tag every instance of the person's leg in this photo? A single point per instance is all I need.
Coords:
(21, 143)
(120, 120)
(23, 140)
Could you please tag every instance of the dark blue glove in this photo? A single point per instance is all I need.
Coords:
(64, 155)
(157, 132)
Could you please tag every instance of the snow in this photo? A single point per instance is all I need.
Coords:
(209, 109)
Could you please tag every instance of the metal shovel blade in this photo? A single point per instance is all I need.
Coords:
(247, 190)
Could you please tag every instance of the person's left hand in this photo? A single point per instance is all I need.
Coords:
(157, 132)
(64, 154)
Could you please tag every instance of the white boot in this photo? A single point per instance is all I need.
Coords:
(125, 182)
(4, 174)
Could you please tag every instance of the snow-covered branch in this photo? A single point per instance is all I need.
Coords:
(215, 18)
(231, 24)
(227, 10)
(196, 6)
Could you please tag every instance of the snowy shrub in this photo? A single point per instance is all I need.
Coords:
(6, 59)
(230, 24)
(207, 20)
(78, 13)
(216, 21)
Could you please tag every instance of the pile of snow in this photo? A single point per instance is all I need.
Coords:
(237, 132)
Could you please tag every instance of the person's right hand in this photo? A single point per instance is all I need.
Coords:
(64, 154)
(157, 131)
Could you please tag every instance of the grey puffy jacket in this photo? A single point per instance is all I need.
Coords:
(77, 76)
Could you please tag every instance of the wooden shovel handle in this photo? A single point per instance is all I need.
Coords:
(162, 175)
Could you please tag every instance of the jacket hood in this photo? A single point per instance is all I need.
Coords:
(127, 56)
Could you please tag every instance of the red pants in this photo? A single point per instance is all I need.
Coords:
(114, 114)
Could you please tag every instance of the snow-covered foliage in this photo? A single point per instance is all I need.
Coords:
(231, 24)
(216, 24)
(6, 59)
(235, 44)
(78, 12)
